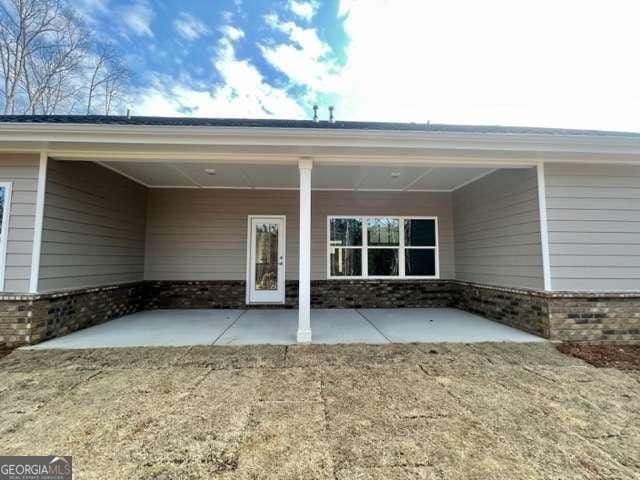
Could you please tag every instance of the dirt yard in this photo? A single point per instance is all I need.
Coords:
(4, 350)
(624, 357)
(483, 411)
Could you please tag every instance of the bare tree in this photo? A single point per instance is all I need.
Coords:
(108, 78)
(115, 89)
(24, 26)
(55, 64)
(50, 64)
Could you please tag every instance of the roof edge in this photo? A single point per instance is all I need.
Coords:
(303, 124)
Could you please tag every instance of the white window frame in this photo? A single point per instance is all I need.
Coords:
(4, 236)
(401, 249)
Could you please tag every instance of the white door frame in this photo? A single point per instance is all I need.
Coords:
(282, 249)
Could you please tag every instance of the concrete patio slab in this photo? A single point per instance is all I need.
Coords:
(342, 326)
(259, 327)
(278, 327)
(409, 325)
(151, 328)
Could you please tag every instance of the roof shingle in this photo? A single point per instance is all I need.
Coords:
(279, 123)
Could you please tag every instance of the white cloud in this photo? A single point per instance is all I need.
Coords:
(137, 17)
(510, 63)
(91, 10)
(89, 6)
(516, 63)
(305, 59)
(189, 27)
(243, 92)
(231, 32)
(303, 9)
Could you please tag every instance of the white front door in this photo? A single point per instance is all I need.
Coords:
(266, 260)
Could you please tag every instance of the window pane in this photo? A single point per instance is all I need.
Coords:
(346, 232)
(383, 261)
(420, 233)
(266, 256)
(420, 261)
(383, 231)
(346, 262)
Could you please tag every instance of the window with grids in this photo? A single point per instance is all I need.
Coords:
(382, 247)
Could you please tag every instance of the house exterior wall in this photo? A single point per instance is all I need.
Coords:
(93, 227)
(497, 230)
(593, 216)
(98, 224)
(195, 234)
(22, 171)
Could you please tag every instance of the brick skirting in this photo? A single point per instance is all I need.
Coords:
(324, 294)
(595, 317)
(195, 294)
(29, 319)
(559, 316)
(527, 310)
(567, 316)
(383, 294)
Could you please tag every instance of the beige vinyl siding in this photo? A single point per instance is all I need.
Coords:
(22, 171)
(497, 229)
(202, 234)
(593, 216)
(93, 227)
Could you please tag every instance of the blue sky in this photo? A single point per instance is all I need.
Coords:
(540, 63)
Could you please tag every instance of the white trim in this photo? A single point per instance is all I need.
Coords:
(4, 235)
(544, 230)
(334, 157)
(282, 247)
(141, 135)
(185, 175)
(39, 220)
(478, 177)
(193, 187)
(126, 175)
(322, 189)
(303, 335)
(401, 249)
(417, 179)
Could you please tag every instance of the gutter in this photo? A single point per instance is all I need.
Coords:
(75, 137)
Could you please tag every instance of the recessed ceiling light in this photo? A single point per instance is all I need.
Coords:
(395, 174)
(210, 171)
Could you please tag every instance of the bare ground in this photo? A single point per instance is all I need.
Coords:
(4, 350)
(623, 357)
(483, 411)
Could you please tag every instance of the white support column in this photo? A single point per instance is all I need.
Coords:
(544, 232)
(304, 278)
(37, 231)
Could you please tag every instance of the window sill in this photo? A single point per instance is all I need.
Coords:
(388, 277)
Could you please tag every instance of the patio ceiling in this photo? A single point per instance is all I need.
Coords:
(324, 177)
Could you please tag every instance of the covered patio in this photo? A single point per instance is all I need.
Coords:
(369, 239)
(258, 234)
(278, 327)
